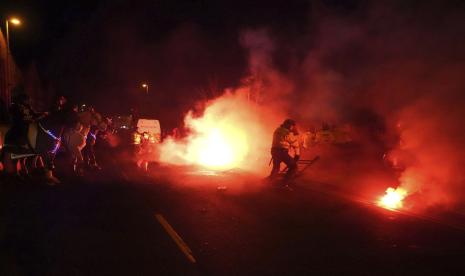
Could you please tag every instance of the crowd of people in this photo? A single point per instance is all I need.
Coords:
(73, 129)
(66, 127)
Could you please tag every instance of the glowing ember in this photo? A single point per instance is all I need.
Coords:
(393, 198)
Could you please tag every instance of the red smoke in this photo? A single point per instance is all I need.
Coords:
(392, 72)
(232, 133)
(404, 64)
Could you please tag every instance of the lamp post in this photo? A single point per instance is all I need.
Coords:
(14, 21)
(146, 87)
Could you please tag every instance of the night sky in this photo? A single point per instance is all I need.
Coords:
(44, 24)
(93, 50)
(47, 24)
(82, 48)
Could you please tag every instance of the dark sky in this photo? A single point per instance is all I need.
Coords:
(82, 48)
(93, 51)
(47, 23)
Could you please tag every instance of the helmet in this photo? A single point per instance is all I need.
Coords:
(288, 123)
(84, 107)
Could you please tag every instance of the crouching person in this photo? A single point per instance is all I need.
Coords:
(285, 138)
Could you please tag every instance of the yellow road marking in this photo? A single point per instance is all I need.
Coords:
(177, 239)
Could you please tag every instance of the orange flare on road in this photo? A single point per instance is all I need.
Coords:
(232, 133)
(393, 199)
(217, 145)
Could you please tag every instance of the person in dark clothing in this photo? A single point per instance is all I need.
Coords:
(21, 114)
(70, 112)
(59, 104)
(73, 140)
(94, 123)
(3, 112)
(88, 151)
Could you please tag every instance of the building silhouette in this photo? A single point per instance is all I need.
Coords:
(7, 83)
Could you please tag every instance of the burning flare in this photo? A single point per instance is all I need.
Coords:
(229, 134)
(217, 145)
(393, 198)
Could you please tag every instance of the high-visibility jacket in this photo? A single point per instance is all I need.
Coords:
(284, 138)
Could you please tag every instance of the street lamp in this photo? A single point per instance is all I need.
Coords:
(146, 87)
(15, 21)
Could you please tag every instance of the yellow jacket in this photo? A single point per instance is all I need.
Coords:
(284, 138)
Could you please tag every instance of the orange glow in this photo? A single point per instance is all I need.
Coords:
(230, 134)
(218, 146)
(15, 21)
(144, 85)
(137, 138)
(393, 199)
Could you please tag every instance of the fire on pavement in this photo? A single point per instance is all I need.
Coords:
(393, 199)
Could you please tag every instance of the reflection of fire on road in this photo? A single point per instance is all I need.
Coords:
(393, 199)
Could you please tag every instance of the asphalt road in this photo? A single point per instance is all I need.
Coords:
(108, 223)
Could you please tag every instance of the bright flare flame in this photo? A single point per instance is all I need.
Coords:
(232, 133)
(222, 147)
(393, 198)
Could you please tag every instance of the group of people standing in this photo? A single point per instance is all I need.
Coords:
(81, 125)
(77, 136)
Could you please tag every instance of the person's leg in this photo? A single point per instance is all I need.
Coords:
(23, 167)
(291, 165)
(85, 154)
(92, 158)
(49, 159)
(39, 162)
(76, 144)
(9, 164)
(276, 163)
(22, 135)
(145, 165)
(77, 151)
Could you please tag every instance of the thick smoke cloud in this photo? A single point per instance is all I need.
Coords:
(396, 75)
(394, 72)
(243, 117)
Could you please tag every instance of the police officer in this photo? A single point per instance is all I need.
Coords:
(285, 138)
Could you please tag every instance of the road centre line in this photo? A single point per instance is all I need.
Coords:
(177, 239)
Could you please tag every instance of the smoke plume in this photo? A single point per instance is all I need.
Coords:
(394, 73)
(400, 67)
